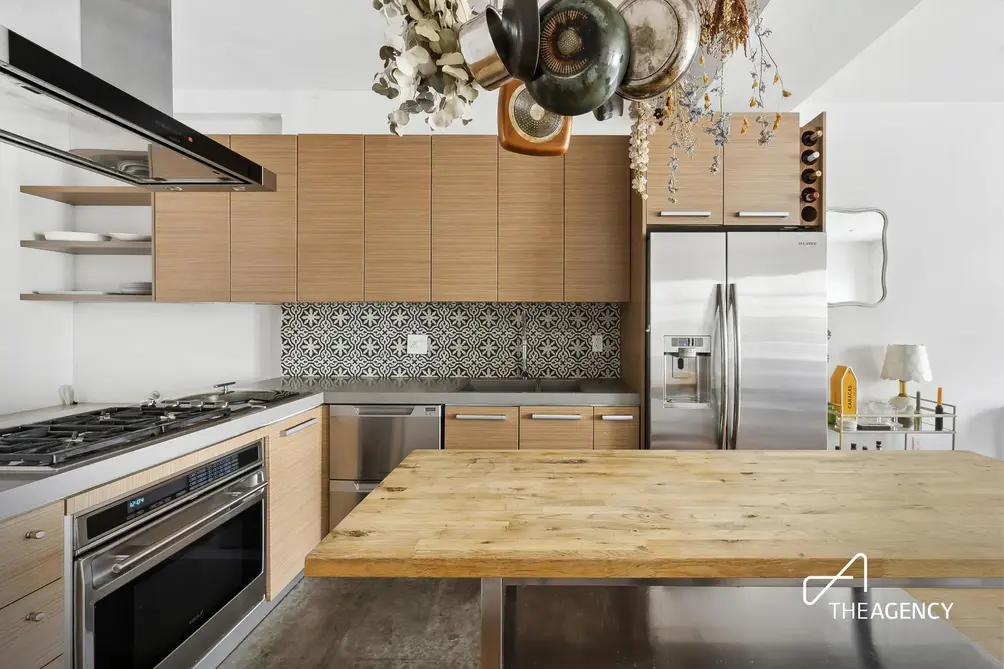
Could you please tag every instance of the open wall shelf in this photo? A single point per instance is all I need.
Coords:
(93, 196)
(109, 248)
(50, 297)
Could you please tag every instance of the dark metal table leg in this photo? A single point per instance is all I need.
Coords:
(492, 622)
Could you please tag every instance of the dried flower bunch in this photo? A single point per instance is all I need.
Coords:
(422, 63)
(725, 26)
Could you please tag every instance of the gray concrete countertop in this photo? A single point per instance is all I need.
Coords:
(592, 392)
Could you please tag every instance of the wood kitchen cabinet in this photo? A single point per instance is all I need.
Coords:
(31, 629)
(597, 218)
(296, 487)
(616, 428)
(263, 225)
(556, 428)
(762, 182)
(531, 228)
(464, 218)
(700, 194)
(398, 246)
(481, 428)
(191, 245)
(329, 221)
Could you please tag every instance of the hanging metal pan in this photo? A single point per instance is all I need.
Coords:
(484, 44)
(521, 22)
(665, 35)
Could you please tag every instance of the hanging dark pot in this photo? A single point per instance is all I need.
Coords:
(584, 52)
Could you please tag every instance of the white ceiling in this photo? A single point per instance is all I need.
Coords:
(329, 45)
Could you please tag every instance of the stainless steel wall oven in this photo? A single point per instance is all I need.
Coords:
(162, 575)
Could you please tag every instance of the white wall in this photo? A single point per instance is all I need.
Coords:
(36, 338)
(934, 174)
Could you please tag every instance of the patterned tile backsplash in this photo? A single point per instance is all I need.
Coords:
(466, 339)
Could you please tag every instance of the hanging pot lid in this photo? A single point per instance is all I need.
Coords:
(665, 35)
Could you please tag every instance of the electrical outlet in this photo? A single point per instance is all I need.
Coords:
(418, 344)
(597, 343)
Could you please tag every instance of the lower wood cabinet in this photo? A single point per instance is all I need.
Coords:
(31, 629)
(296, 488)
(615, 428)
(556, 428)
(477, 428)
(31, 552)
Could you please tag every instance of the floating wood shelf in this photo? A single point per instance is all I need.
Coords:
(109, 248)
(93, 196)
(86, 298)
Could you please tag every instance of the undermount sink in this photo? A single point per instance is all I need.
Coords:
(521, 386)
(234, 396)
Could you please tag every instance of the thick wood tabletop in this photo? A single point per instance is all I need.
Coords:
(675, 514)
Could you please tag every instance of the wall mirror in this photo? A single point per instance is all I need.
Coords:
(856, 257)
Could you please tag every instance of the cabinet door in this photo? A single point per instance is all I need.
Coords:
(32, 553)
(556, 428)
(597, 219)
(477, 428)
(263, 225)
(329, 220)
(761, 182)
(615, 428)
(31, 629)
(699, 194)
(191, 245)
(398, 219)
(464, 218)
(296, 485)
(531, 228)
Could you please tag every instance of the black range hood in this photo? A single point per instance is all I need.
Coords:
(51, 106)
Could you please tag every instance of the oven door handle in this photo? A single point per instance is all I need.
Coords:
(244, 499)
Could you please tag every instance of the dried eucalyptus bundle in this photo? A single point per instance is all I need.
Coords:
(422, 63)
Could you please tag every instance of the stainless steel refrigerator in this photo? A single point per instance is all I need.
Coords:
(737, 340)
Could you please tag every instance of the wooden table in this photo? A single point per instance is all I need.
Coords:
(924, 519)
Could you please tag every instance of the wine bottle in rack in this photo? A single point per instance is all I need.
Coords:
(810, 194)
(811, 137)
(809, 214)
(811, 176)
(809, 156)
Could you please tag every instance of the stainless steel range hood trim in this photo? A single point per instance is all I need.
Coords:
(46, 73)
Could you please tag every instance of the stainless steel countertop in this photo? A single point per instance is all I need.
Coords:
(594, 392)
(23, 492)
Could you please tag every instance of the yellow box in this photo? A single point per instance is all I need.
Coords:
(844, 390)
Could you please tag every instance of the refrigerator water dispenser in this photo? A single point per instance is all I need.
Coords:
(687, 370)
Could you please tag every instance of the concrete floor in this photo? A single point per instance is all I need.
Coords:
(367, 624)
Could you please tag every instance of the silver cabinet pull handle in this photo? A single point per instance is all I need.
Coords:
(555, 416)
(35, 534)
(480, 416)
(35, 617)
(620, 417)
(296, 428)
(696, 214)
(762, 214)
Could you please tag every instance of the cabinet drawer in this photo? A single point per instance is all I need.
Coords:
(482, 428)
(615, 428)
(31, 629)
(556, 428)
(32, 553)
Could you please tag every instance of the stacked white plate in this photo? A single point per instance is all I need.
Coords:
(71, 236)
(136, 288)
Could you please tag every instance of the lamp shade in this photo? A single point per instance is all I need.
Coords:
(906, 362)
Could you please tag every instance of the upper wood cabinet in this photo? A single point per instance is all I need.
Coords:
(464, 218)
(699, 195)
(263, 225)
(191, 234)
(597, 217)
(398, 255)
(761, 182)
(329, 231)
(531, 228)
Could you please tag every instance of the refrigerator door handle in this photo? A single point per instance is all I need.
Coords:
(723, 398)
(737, 377)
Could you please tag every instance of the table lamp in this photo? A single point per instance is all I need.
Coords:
(905, 362)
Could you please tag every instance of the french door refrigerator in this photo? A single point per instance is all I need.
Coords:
(737, 340)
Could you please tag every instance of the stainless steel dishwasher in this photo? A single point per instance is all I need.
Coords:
(367, 442)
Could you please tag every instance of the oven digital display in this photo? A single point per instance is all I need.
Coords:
(136, 503)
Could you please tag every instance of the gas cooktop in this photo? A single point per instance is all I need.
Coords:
(83, 437)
